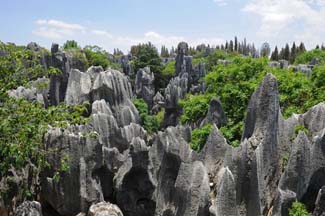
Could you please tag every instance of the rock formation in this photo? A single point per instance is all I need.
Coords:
(144, 87)
(29, 208)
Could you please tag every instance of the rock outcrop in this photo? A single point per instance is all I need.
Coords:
(113, 159)
(144, 87)
(104, 209)
(216, 114)
(225, 202)
(320, 203)
(29, 208)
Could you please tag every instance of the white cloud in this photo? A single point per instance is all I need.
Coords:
(221, 2)
(302, 19)
(61, 31)
(102, 33)
(55, 29)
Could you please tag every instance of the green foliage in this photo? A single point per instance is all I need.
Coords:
(199, 137)
(298, 209)
(213, 58)
(96, 56)
(285, 160)
(234, 85)
(147, 55)
(70, 44)
(169, 69)
(23, 125)
(19, 66)
(195, 107)
(306, 57)
(301, 128)
(196, 61)
(151, 123)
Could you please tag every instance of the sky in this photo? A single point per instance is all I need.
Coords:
(123, 23)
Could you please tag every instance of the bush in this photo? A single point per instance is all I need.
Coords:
(306, 57)
(169, 69)
(70, 44)
(195, 107)
(151, 123)
(301, 128)
(199, 137)
(23, 125)
(147, 55)
(298, 209)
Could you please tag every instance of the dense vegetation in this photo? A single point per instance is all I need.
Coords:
(151, 123)
(23, 123)
(298, 209)
(235, 83)
(199, 137)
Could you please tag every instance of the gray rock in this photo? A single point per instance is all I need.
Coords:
(58, 82)
(286, 134)
(79, 86)
(191, 194)
(215, 114)
(158, 103)
(36, 91)
(260, 151)
(296, 175)
(317, 176)
(314, 118)
(168, 151)
(274, 64)
(181, 64)
(87, 180)
(93, 71)
(126, 65)
(315, 61)
(104, 209)
(134, 182)
(144, 87)
(198, 73)
(176, 90)
(214, 152)
(320, 203)
(284, 64)
(224, 62)
(225, 202)
(283, 202)
(24, 93)
(303, 69)
(29, 208)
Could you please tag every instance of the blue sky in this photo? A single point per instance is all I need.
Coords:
(122, 23)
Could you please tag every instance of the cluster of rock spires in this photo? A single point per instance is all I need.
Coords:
(123, 170)
(303, 68)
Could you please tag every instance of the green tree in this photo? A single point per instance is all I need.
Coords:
(199, 137)
(298, 209)
(151, 123)
(70, 44)
(293, 53)
(286, 53)
(147, 55)
(275, 54)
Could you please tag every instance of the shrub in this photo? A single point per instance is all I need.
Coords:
(151, 123)
(306, 57)
(147, 55)
(194, 107)
(301, 128)
(169, 69)
(199, 137)
(298, 209)
(70, 44)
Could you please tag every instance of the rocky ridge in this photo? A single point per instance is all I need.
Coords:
(113, 159)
